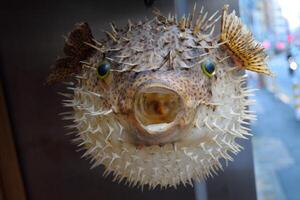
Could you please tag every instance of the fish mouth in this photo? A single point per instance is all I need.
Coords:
(157, 110)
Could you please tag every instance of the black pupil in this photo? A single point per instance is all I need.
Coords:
(103, 69)
(210, 67)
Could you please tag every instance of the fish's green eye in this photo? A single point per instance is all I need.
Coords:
(208, 68)
(103, 70)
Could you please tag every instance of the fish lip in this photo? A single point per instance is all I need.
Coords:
(158, 133)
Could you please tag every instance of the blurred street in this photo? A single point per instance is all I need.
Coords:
(282, 83)
(276, 138)
(276, 141)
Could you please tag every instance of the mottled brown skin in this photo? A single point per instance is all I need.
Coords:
(122, 92)
(190, 84)
(187, 84)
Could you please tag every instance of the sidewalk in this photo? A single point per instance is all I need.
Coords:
(276, 146)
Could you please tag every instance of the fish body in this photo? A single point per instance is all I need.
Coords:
(161, 102)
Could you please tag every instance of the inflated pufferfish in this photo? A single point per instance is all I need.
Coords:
(160, 102)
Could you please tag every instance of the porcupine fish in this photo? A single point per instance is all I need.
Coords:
(160, 102)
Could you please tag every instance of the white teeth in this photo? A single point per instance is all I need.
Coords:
(157, 127)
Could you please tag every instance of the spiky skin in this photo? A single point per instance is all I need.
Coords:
(169, 52)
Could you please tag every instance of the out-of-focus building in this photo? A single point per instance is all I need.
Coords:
(265, 19)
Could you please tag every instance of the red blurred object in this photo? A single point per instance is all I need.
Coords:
(290, 38)
(266, 44)
(280, 45)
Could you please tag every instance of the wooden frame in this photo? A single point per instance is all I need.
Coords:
(11, 184)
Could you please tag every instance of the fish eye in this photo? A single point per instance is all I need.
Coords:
(103, 70)
(208, 68)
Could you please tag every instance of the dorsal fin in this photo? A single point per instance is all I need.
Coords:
(75, 50)
(240, 41)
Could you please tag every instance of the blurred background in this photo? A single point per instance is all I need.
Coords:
(276, 141)
(38, 162)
